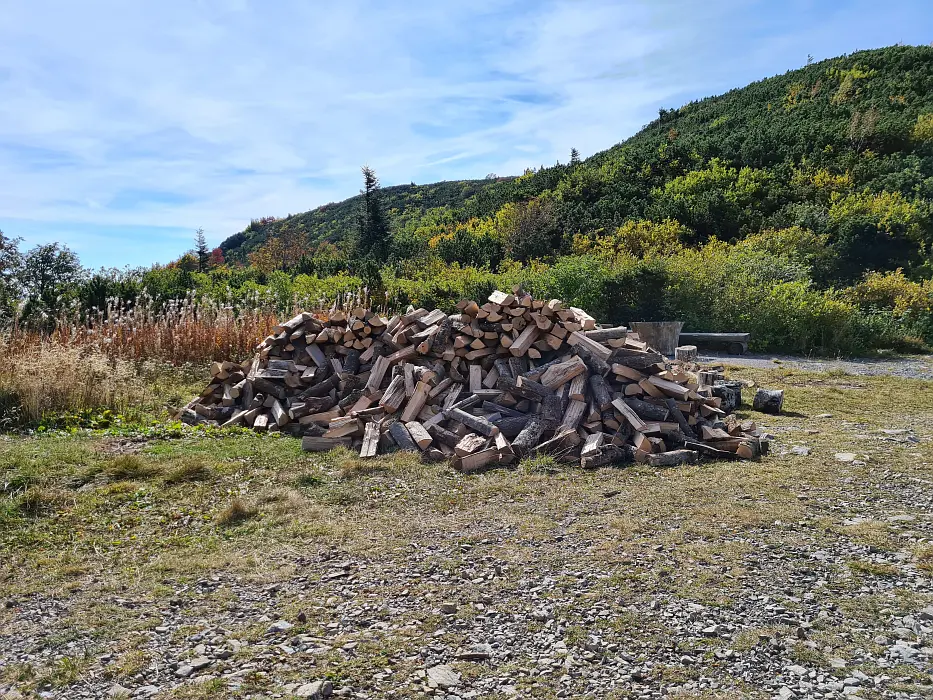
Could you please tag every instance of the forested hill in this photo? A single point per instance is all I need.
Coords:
(842, 148)
(334, 221)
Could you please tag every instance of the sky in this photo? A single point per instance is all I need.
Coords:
(125, 126)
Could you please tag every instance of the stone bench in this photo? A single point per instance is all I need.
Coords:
(735, 343)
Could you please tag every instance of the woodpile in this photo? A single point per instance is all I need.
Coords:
(495, 382)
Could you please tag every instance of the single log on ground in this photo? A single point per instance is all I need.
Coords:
(769, 400)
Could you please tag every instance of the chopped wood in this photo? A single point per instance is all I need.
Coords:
(539, 375)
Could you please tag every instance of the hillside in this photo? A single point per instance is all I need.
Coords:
(798, 149)
(336, 220)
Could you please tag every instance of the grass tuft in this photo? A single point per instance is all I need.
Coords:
(129, 467)
(237, 511)
(37, 501)
(870, 568)
(187, 472)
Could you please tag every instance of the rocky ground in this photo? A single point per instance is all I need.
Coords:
(806, 575)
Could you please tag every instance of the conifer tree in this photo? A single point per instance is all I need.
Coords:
(201, 251)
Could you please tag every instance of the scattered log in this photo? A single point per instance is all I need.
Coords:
(769, 401)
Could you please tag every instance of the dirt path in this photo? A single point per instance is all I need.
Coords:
(909, 367)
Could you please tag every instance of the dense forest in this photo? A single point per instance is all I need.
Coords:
(799, 208)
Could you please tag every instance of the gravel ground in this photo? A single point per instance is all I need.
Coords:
(909, 367)
(807, 575)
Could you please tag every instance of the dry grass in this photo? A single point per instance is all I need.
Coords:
(179, 331)
(130, 467)
(236, 512)
(46, 377)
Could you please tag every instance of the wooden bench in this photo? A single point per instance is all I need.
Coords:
(735, 343)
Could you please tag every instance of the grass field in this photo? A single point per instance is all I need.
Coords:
(127, 560)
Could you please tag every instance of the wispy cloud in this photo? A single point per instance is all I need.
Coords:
(125, 126)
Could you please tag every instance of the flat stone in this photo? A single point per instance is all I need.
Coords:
(926, 613)
(118, 691)
(902, 518)
(200, 662)
(449, 608)
(316, 690)
(475, 652)
(184, 671)
(797, 670)
(800, 450)
(846, 457)
(444, 676)
(836, 662)
(280, 626)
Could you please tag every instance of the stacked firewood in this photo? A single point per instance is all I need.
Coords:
(511, 378)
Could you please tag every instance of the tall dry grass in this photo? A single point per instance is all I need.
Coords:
(119, 358)
(182, 331)
(47, 377)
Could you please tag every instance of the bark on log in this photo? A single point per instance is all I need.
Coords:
(769, 401)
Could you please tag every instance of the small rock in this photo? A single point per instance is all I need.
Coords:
(846, 457)
(200, 662)
(280, 626)
(118, 691)
(800, 450)
(316, 690)
(836, 662)
(927, 613)
(302, 617)
(444, 676)
(475, 652)
(786, 693)
(797, 670)
(449, 608)
(184, 671)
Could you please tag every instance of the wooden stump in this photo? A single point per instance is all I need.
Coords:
(686, 353)
(730, 393)
(769, 400)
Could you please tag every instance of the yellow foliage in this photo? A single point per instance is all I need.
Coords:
(889, 210)
(892, 290)
(641, 239)
(923, 129)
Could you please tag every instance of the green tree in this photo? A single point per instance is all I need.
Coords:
(201, 250)
(10, 263)
(372, 228)
(49, 275)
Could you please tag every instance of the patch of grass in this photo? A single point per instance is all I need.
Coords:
(38, 501)
(237, 511)
(67, 670)
(188, 471)
(871, 568)
(130, 467)
(540, 464)
(924, 554)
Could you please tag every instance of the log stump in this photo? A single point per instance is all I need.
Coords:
(769, 400)
(686, 353)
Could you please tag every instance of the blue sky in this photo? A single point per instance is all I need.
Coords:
(124, 126)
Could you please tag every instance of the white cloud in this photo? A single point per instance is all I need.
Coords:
(243, 108)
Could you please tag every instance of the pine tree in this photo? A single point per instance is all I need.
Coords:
(373, 227)
(574, 157)
(201, 250)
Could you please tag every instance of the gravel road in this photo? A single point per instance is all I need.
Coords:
(909, 367)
